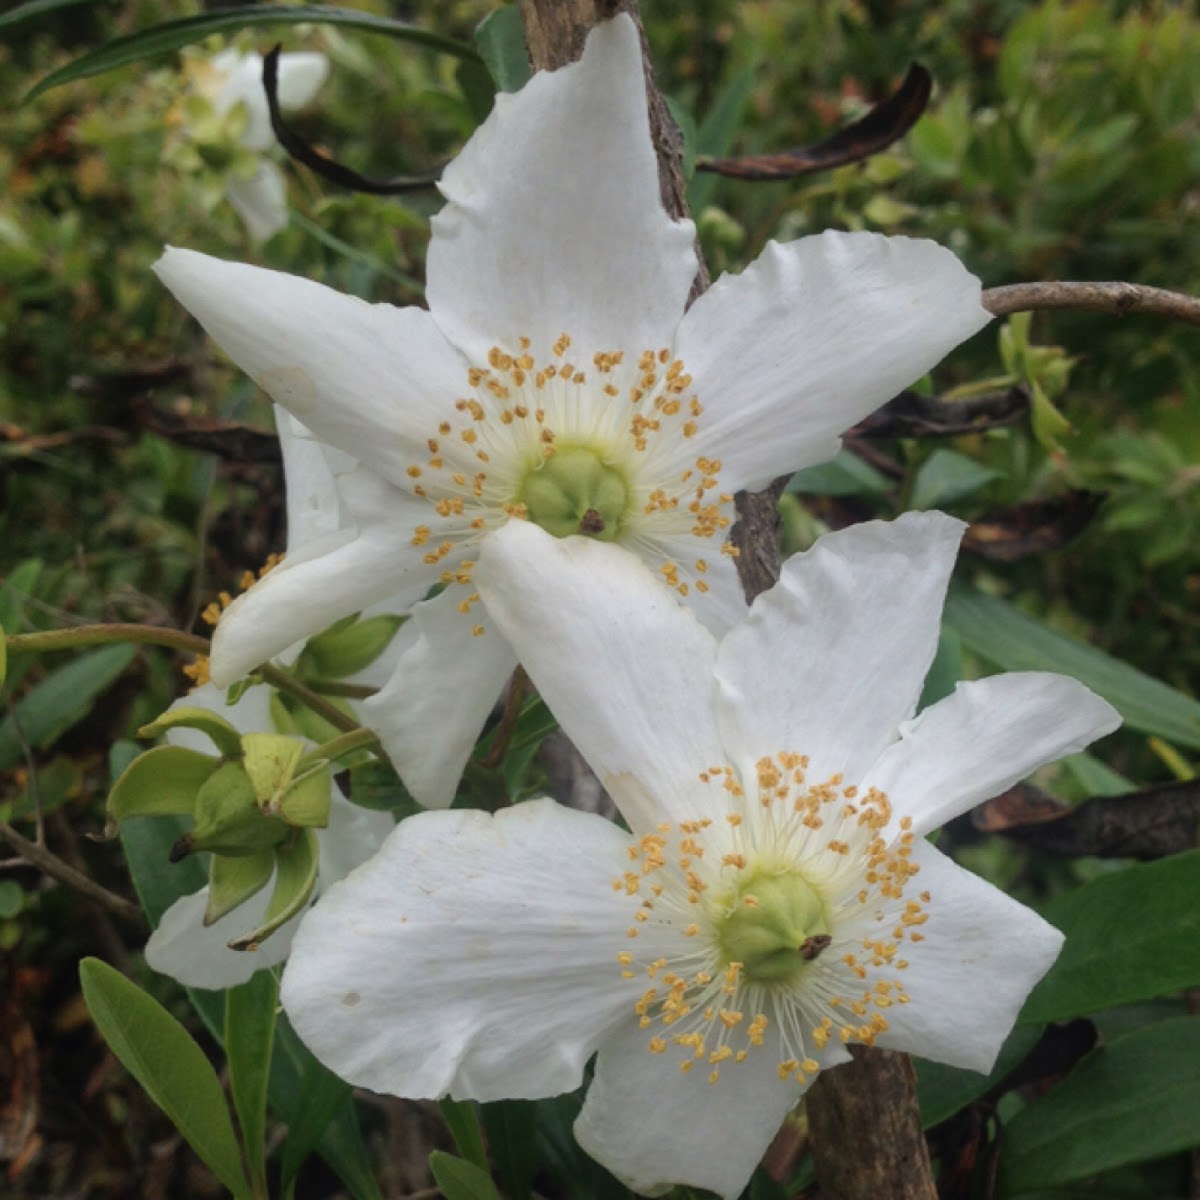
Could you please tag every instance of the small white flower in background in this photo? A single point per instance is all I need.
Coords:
(776, 898)
(232, 79)
(198, 955)
(557, 377)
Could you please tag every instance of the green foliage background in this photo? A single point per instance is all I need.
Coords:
(1063, 141)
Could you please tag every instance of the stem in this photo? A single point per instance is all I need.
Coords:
(345, 691)
(339, 747)
(52, 865)
(96, 635)
(1118, 299)
(282, 681)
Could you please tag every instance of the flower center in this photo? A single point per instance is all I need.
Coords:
(775, 926)
(576, 491)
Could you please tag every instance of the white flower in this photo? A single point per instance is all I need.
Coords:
(198, 955)
(232, 78)
(778, 794)
(557, 377)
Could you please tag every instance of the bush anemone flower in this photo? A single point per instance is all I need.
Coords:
(775, 900)
(556, 377)
(231, 83)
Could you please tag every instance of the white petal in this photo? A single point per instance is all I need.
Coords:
(625, 669)
(331, 577)
(308, 473)
(981, 955)
(353, 835)
(833, 657)
(554, 221)
(199, 956)
(371, 379)
(722, 602)
(261, 201)
(986, 736)
(474, 955)
(812, 337)
(653, 1126)
(431, 711)
(300, 78)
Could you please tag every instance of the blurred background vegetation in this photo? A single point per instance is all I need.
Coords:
(1062, 142)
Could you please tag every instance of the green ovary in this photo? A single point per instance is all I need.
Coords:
(576, 491)
(776, 925)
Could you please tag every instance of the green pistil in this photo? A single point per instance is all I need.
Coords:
(775, 927)
(576, 491)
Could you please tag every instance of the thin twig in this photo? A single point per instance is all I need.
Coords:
(52, 865)
(1118, 299)
(97, 635)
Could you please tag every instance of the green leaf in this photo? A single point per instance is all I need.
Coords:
(60, 700)
(944, 672)
(1132, 935)
(462, 1119)
(249, 1036)
(375, 785)
(19, 584)
(1134, 1099)
(35, 8)
(163, 781)
(946, 477)
(184, 31)
(943, 1090)
(295, 877)
(511, 1127)
(996, 631)
(500, 40)
(219, 731)
(3, 655)
(165, 1059)
(461, 1180)
(714, 137)
(844, 475)
(320, 1095)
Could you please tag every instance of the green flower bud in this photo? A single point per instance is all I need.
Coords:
(775, 927)
(228, 818)
(576, 491)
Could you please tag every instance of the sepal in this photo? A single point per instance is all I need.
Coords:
(219, 731)
(228, 818)
(163, 781)
(295, 877)
(232, 881)
(348, 647)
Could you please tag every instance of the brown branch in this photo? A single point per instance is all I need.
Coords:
(871, 1143)
(52, 865)
(1117, 299)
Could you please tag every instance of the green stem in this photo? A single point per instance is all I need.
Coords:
(280, 679)
(96, 635)
(339, 747)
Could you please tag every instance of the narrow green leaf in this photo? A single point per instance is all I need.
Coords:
(462, 1119)
(844, 475)
(249, 1037)
(500, 40)
(714, 137)
(163, 781)
(511, 1127)
(461, 1180)
(18, 585)
(35, 8)
(1134, 1099)
(60, 700)
(3, 655)
(999, 633)
(184, 31)
(165, 1059)
(1133, 935)
(320, 1095)
(947, 476)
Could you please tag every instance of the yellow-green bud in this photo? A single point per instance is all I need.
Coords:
(576, 491)
(775, 927)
